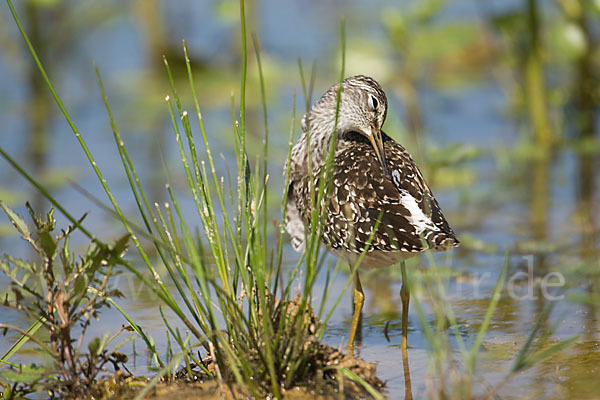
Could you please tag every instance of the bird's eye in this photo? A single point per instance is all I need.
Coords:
(373, 104)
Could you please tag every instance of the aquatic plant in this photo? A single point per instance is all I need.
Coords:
(63, 293)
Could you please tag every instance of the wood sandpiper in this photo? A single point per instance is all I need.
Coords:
(373, 179)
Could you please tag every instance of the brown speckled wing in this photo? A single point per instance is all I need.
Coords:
(411, 219)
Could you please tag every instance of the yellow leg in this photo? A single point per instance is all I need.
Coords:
(405, 297)
(407, 384)
(359, 300)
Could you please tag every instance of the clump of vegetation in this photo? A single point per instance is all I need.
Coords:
(63, 293)
(324, 369)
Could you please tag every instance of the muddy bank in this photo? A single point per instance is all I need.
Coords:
(327, 382)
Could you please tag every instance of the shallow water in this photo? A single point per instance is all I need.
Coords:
(543, 209)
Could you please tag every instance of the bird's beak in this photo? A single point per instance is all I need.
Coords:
(376, 140)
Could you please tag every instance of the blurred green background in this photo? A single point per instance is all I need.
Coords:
(498, 101)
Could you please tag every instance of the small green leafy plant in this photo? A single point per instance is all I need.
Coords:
(62, 293)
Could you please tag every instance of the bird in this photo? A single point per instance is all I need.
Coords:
(378, 202)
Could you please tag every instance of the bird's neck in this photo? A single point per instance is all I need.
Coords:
(321, 131)
(311, 149)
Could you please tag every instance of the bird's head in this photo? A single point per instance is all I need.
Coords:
(362, 109)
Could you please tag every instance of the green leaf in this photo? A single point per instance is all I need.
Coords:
(23, 265)
(94, 346)
(80, 284)
(16, 220)
(121, 244)
(104, 341)
(22, 340)
(27, 374)
(48, 244)
(98, 344)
